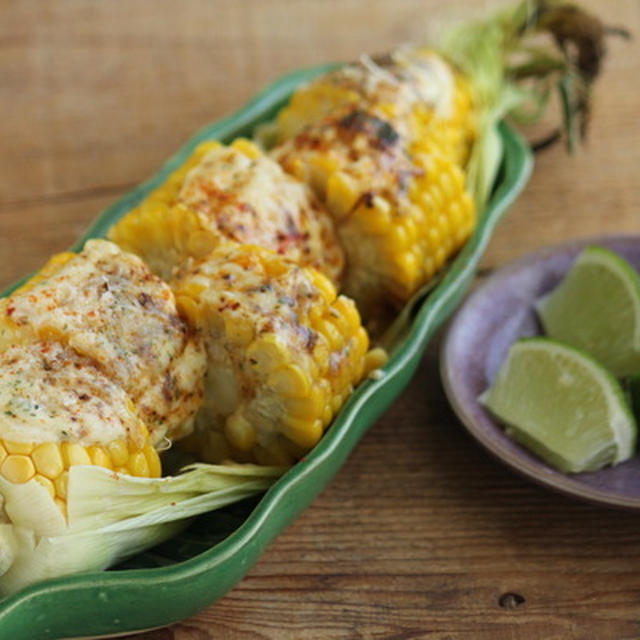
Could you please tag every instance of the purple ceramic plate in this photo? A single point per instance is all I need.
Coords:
(499, 312)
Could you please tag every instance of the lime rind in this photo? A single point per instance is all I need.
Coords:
(596, 308)
(545, 393)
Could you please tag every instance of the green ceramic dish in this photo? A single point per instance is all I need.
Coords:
(185, 574)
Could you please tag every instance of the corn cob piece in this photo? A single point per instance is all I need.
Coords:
(421, 96)
(57, 409)
(108, 307)
(399, 215)
(231, 193)
(284, 353)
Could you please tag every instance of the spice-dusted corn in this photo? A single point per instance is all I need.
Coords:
(233, 193)
(107, 306)
(398, 215)
(284, 351)
(57, 410)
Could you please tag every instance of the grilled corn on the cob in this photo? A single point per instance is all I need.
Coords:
(58, 409)
(284, 353)
(399, 214)
(421, 96)
(107, 306)
(229, 193)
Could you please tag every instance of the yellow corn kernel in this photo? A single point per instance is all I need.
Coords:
(342, 194)
(266, 353)
(304, 432)
(24, 448)
(324, 286)
(99, 457)
(247, 147)
(48, 459)
(239, 330)
(74, 454)
(309, 406)
(240, 432)
(61, 484)
(153, 462)
(332, 334)
(375, 359)
(138, 465)
(200, 243)
(17, 468)
(119, 452)
(289, 381)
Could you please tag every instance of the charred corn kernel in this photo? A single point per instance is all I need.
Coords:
(106, 306)
(268, 399)
(230, 194)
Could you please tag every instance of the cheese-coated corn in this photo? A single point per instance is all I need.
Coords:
(284, 350)
(399, 215)
(233, 193)
(383, 144)
(58, 410)
(414, 89)
(107, 306)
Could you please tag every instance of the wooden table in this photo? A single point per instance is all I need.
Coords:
(422, 534)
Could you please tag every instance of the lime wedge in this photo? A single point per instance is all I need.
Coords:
(562, 405)
(596, 308)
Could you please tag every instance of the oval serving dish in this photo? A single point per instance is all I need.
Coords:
(189, 572)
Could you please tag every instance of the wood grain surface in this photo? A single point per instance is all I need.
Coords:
(421, 534)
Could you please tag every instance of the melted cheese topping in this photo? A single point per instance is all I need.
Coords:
(264, 318)
(107, 306)
(240, 286)
(250, 200)
(48, 393)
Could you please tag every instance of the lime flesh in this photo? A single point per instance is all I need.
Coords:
(596, 308)
(562, 405)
